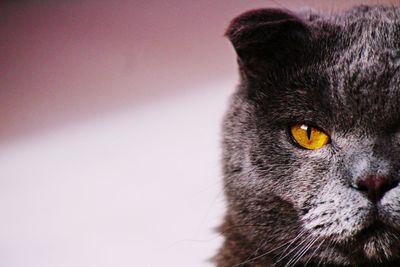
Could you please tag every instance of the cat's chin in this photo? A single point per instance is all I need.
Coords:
(376, 244)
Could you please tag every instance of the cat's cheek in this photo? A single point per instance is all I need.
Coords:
(337, 213)
(309, 175)
(389, 208)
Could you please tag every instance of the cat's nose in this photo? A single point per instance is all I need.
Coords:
(375, 187)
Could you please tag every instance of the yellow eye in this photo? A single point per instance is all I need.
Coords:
(309, 137)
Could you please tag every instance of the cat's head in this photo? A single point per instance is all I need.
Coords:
(312, 135)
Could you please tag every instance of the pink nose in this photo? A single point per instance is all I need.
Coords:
(375, 187)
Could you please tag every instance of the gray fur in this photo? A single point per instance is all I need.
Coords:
(289, 206)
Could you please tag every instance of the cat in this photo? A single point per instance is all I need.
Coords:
(311, 140)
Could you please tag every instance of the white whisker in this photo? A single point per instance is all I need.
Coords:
(283, 255)
(270, 251)
(315, 251)
(300, 254)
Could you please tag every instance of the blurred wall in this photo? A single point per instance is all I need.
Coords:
(64, 61)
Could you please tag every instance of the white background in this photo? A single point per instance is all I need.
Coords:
(139, 187)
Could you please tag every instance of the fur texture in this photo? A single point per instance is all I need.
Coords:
(288, 206)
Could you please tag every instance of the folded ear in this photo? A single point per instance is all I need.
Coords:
(267, 38)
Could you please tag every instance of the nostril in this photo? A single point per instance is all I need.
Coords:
(375, 187)
(361, 187)
(389, 186)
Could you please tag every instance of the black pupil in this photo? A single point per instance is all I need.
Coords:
(308, 132)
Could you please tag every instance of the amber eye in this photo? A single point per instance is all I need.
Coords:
(309, 137)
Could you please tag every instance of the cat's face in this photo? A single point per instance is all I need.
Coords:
(338, 203)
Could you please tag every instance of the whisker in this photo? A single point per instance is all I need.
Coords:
(300, 254)
(270, 251)
(287, 254)
(291, 243)
(315, 251)
(251, 258)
